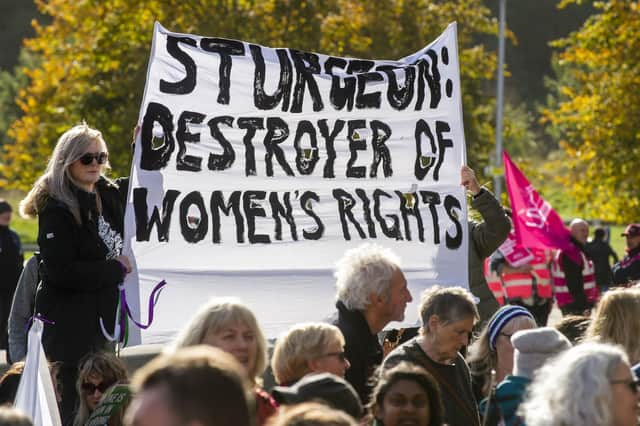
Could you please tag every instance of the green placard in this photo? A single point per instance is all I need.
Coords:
(114, 399)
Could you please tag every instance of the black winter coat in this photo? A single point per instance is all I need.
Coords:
(362, 349)
(79, 283)
(11, 260)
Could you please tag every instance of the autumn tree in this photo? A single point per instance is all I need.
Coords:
(93, 59)
(10, 85)
(595, 112)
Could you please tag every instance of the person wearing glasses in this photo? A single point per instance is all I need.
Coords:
(98, 373)
(80, 224)
(493, 351)
(307, 349)
(588, 385)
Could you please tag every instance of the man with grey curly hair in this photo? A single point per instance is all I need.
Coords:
(372, 291)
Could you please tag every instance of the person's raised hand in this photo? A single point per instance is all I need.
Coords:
(469, 181)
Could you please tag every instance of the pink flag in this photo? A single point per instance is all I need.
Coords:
(513, 252)
(535, 222)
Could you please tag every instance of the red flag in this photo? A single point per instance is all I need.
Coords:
(535, 222)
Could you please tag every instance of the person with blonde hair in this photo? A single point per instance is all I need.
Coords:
(80, 235)
(98, 373)
(231, 326)
(448, 315)
(199, 385)
(493, 351)
(588, 385)
(308, 348)
(617, 321)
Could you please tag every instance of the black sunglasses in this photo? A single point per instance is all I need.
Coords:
(101, 158)
(90, 388)
(632, 384)
(340, 355)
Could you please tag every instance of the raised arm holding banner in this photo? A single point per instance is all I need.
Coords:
(256, 168)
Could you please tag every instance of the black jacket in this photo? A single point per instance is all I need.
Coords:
(11, 259)
(454, 381)
(79, 282)
(362, 349)
(600, 251)
(575, 282)
(628, 269)
(484, 238)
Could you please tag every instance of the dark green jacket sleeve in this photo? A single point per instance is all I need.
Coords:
(487, 235)
(484, 238)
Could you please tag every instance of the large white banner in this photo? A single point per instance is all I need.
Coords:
(257, 168)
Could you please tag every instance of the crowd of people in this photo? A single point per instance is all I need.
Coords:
(470, 362)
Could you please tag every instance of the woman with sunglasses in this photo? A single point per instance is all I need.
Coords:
(98, 373)
(588, 385)
(80, 224)
(306, 349)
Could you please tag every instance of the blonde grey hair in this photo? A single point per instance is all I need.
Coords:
(450, 304)
(574, 388)
(56, 179)
(299, 345)
(363, 270)
(616, 321)
(215, 316)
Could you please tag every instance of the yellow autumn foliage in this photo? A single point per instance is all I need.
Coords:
(597, 111)
(94, 53)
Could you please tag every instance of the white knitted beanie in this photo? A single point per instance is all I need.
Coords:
(532, 348)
